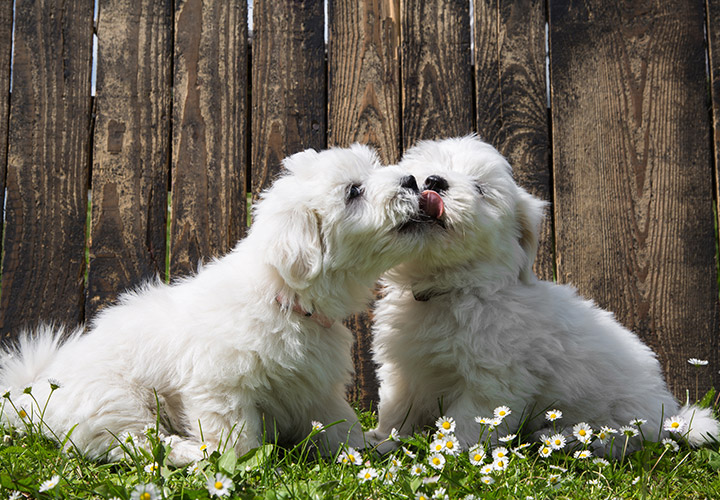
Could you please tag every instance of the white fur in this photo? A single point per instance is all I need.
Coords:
(218, 348)
(490, 333)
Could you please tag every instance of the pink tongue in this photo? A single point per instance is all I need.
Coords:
(431, 203)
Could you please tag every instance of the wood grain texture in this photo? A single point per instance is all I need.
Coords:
(209, 131)
(47, 169)
(364, 106)
(712, 10)
(288, 82)
(633, 175)
(131, 147)
(511, 99)
(6, 22)
(364, 75)
(437, 97)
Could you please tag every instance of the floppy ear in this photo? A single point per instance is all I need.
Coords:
(296, 250)
(530, 212)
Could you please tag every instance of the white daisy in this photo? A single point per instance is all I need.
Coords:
(484, 420)
(629, 431)
(600, 462)
(394, 435)
(502, 412)
(637, 422)
(408, 453)
(553, 415)
(554, 479)
(439, 493)
(445, 424)
(500, 452)
(582, 432)
(317, 426)
(557, 442)
(508, 438)
(437, 446)
(50, 483)
(220, 486)
(451, 445)
(545, 451)
(367, 474)
(487, 469)
(152, 468)
(350, 457)
(487, 480)
(194, 468)
(697, 362)
(500, 463)
(582, 454)
(557, 467)
(545, 439)
(671, 444)
(593, 482)
(145, 492)
(437, 461)
(675, 424)
(417, 470)
(477, 455)
(421, 496)
(604, 433)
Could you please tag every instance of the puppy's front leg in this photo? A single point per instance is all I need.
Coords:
(332, 409)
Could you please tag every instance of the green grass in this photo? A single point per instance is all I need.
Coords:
(28, 459)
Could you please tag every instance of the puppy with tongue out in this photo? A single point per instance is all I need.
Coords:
(465, 327)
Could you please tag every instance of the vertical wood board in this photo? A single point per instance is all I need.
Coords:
(511, 99)
(633, 177)
(47, 170)
(131, 147)
(209, 131)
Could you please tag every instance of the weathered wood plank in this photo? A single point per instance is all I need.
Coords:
(288, 82)
(364, 106)
(511, 99)
(437, 98)
(713, 38)
(364, 75)
(632, 171)
(209, 131)
(47, 170)
(131, 147)
(6, 21)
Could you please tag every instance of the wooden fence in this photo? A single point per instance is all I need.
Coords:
(625, 147)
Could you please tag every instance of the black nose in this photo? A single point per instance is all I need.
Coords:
(436, 183)
(409, 182)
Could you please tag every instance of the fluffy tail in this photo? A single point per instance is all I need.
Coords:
(24, 362)
(703, 428)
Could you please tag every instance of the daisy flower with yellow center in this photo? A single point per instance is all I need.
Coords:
(477, 455)
(671, 444)
(50, 483)
(500, 464)
(317, 426)
(604, 433)
(557, 442)
(484, 420)
(675, 424)
(487, 469)
(499, 452)
(553, 415)
(367, 474)
(582, 432)
(502, 412)
(445, 424)
(220, 485)
(351, 456)
(582, 454)
(545, 451)
(417, 470)
(553, 479)
(628, 431)
(487, 480)
(437, 446)
(408, 453)
(436, 461)
(451, 445)
(421, 496)
(508, 438)
(152, 468)
(145, 492)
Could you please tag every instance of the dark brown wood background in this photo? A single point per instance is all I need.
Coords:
(607, 110)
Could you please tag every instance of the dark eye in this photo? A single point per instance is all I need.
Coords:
(354, 191)
(480, 189)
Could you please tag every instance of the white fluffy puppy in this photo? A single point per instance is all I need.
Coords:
(465, 326)
(252, 343)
